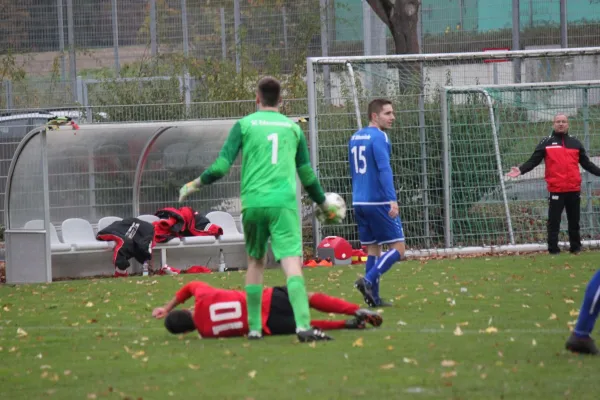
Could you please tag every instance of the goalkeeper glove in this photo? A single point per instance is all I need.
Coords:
(328, 214)
(189, 188)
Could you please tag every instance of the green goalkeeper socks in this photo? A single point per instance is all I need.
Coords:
(253, 304)
(299, 300)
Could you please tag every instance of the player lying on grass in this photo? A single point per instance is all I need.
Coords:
(222, 312)
(580, 340)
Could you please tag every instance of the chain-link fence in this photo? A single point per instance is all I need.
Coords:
(46, 45)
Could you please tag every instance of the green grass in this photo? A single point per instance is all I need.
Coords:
(95, 338)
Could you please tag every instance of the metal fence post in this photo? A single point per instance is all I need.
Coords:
(285, 30)
(446, 168)
(516, 38)
(237, 21)
(115, 33)
(79, 90)
(61, 39)
(184, 28)
(153, 42)
(563, 24)
(72, 55)
(325, 48)
(8, 92)
(223, 34)
(586, 142)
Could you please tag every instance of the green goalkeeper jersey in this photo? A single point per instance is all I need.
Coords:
(273, 150)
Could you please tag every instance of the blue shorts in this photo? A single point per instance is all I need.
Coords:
(375, 225)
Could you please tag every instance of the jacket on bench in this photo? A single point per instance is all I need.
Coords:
(134, 239)
(180, 222)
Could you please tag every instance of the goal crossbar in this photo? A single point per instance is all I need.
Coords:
(481, 55)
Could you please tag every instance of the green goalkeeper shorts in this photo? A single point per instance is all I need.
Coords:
(281, 225)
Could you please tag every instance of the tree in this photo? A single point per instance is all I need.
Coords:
(402, 18)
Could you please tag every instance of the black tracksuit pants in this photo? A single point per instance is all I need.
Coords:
(570, 201)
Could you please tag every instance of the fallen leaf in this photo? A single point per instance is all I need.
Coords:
(449, 374)
(448, 363)
(390, 348)
(387, 366)
(491, 329)
(39, 356)
(569, 301)
(552, 316)
(252, 374)
(21, 332)
(538, 325)
(483, 376)
(312, 344)
(574, 313)
(533, 342)
(67, 372)
(358, 342)
(410, 361)
(89, 304)
(194, 366)
(92, 396)
(401, 323)
(458, 331)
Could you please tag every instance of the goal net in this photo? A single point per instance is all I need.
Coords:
(491, 128)
(447, 161)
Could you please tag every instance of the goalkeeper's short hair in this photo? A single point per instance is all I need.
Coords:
(269, 91)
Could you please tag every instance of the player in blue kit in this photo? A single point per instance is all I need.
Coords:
(580, 340)
(374, 199)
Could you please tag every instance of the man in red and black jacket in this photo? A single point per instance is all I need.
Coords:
(562, 154)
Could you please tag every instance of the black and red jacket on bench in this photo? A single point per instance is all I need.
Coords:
(562, 154)
(180, 222)
(134, 239)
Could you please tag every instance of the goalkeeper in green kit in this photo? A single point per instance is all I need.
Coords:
(273, 151)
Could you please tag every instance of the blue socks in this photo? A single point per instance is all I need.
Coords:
(590, 308)
(371, 262)
(382, 265)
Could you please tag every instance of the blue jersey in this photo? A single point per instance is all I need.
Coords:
(369, 158)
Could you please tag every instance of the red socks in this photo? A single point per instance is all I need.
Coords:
(329, 304)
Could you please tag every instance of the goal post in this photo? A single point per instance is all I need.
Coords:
(447, 204)
(518, 115)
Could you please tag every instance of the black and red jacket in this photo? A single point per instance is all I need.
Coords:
(134, 239)
(562, 154)
(180, 222)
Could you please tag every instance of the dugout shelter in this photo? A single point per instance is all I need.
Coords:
(110, 170)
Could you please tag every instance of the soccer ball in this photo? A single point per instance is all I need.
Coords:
(336, 212)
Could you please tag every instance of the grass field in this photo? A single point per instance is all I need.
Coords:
(476, 328)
